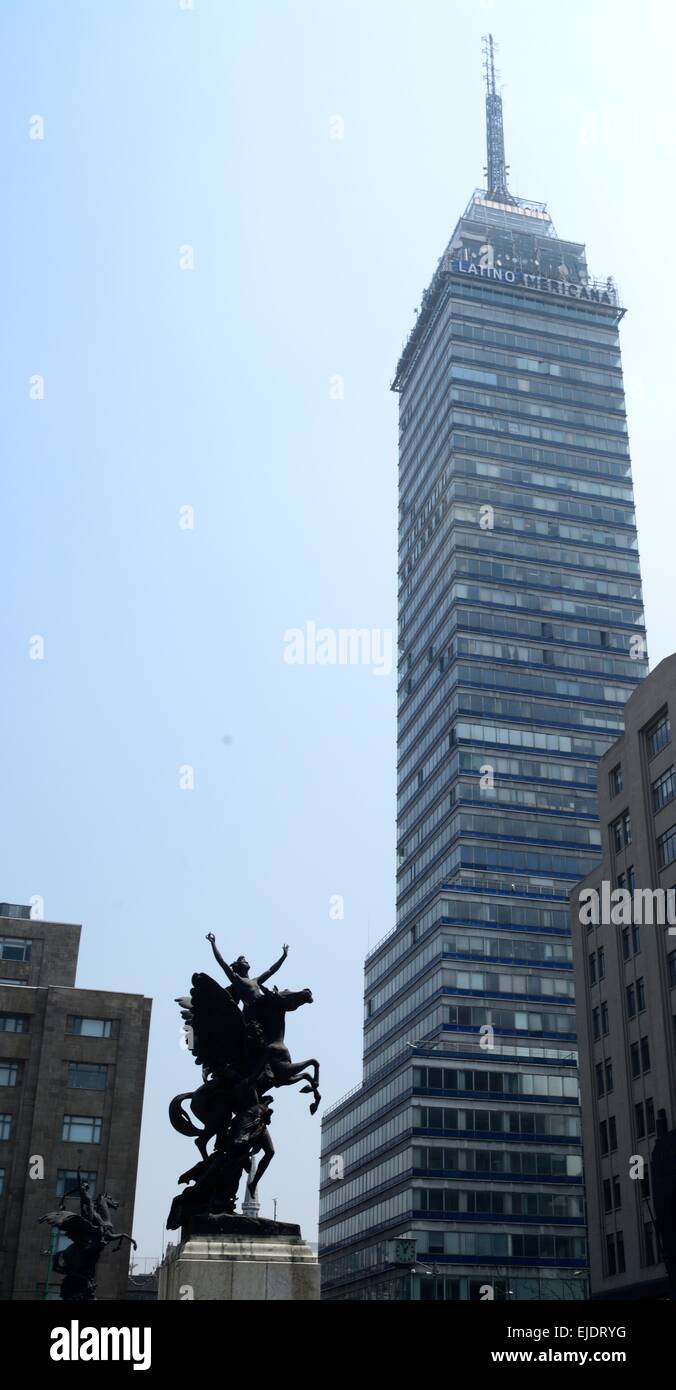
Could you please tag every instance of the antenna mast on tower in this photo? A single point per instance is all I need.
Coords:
(496, 168)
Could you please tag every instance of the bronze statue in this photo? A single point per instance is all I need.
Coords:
(90, 1230)
(236, 1035)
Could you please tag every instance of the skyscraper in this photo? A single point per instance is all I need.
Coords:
(454, 1170)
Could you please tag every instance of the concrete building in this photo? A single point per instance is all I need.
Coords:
(72, 1072)
(520, 639)
(625, 983)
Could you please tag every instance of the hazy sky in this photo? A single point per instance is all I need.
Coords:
(213, 128)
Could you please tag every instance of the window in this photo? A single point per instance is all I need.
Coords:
(631, 936)
(650, 1115)
(620, 1252)
(604, 1018)
(672, 967)
(666, 847)
(631, 878)
(603, 1136)
(9, 1073)
(15, 1023)
(649, 1243)
(640, 1120)
(82, 1129)
(602, 962)
(2, 1181)
(596, 1022)
(630, 993)
(610, 1255)
(612, 1132)
(664, 789)
(617, 1193)
(600, 1088)
(620, 830)
(635, 1060)
(658, 735)
(88, 1076)
(607, 1196)
(609, 1076)
(5, 1126)
(15, 948)
(645, 1054)
(592, 968)
(91, 1027)
(616, 780)
(640, 994)
(66, 1179)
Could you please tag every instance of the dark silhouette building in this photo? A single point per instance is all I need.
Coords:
(625, 976)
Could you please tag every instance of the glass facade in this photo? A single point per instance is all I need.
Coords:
(521, 636)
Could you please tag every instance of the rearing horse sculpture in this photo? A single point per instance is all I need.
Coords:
(236, 1034)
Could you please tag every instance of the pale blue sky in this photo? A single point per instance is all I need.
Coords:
(164, 387)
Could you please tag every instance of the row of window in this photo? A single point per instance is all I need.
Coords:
(66, 1179)
(82, 1129)
(547, 1206)
(83, 1076)
(510, 1083)
(492, 982)
(75, 1025)
(539, 1248)
(515, 1020)
(498, 1121)
(509, 948)
(490, 1160)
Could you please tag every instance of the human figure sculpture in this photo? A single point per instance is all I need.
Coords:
(236, 1035)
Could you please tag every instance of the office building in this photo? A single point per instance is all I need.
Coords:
(454, 1169)
(72, 1072)
(625, 976)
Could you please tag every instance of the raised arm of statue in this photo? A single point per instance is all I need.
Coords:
(224, 965)
(273, 968)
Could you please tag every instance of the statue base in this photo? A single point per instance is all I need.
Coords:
(239, 1259)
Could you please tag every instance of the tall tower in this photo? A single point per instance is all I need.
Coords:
(454, 1171)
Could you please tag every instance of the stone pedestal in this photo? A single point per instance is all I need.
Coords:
(241, 1264)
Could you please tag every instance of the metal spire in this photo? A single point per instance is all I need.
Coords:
(496, 169)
